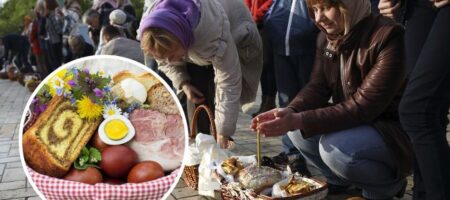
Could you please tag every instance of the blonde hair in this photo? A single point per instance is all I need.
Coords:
(40, 7)
(157, 41)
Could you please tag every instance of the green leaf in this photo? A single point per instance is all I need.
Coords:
(77, 93)
(145, 106)
(93, 165)
(78, 166)
(95, 156)
(85, 151)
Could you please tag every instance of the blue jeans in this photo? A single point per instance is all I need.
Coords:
(356, 156)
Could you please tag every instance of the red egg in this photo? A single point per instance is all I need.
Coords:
(145, 171)
(117, 161)
(98, 143)
(91, 175)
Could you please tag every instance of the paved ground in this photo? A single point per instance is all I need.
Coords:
(14, 185)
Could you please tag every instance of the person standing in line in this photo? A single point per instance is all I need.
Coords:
(425, 103)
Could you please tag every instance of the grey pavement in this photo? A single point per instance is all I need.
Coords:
(13, 182)
(14, 185)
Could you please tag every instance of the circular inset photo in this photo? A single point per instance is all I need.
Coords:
(103, 127)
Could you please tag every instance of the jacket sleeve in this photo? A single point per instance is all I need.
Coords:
(317, 92)
(372, 97)
(228, 81)
(176, 73)
(263, 7)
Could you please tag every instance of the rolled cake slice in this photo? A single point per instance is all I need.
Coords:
(55, 140)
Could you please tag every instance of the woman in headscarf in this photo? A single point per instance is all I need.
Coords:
(357, 139)
(220, 33)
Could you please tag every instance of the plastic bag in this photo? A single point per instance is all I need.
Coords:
(212, 156)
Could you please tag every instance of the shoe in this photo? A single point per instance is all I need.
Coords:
(268, 162)
(299, 165)
(281, 159)
(402, 191)
(399, 194)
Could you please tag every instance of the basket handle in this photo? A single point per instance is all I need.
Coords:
(210, 117)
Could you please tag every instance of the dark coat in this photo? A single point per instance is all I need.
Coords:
(366, 91)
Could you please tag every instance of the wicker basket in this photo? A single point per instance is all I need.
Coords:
(20, 78)
(319, 193)
(32, 85)
(12, 75)
(190, 173)
(3, 75)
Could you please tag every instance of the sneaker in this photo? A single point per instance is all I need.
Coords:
(281, 159)
(299, 165)
(402, 191)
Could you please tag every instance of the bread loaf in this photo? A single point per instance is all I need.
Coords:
(55, 140)
(160, 100)
(258, 178)
(146, 79)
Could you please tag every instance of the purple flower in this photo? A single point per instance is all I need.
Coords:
(86, 70)
(40, 108)
(86, 79)
(59, 91)
(107, 89)
(73, 101)
(98, 93)
(72, 83)
(35, 100)
(74, 71)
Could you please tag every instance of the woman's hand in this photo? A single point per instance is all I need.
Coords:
(276, 122)
(440, 3)
(192, 93)
(389, 8)
(222, 141)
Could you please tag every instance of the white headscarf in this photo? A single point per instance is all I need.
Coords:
(356, 10)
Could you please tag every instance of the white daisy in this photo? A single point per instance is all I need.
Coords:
(58, 85)
(110, 110)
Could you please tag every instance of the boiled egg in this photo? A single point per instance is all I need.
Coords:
(116, 130)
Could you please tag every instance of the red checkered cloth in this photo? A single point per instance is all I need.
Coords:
(54, 188)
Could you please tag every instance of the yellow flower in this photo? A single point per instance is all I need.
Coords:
(88, 109)
(59, 81)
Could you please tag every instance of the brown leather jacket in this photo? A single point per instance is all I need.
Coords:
(366, 91)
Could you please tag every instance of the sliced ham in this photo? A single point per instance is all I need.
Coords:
(159, 137)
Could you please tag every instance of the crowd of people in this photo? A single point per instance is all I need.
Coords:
(362, 85)
(54, 34)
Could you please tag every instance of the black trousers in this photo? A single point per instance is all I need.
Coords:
(202, 78)
(22, 59)
(425, 103)
(268, 83)
(55, 56)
